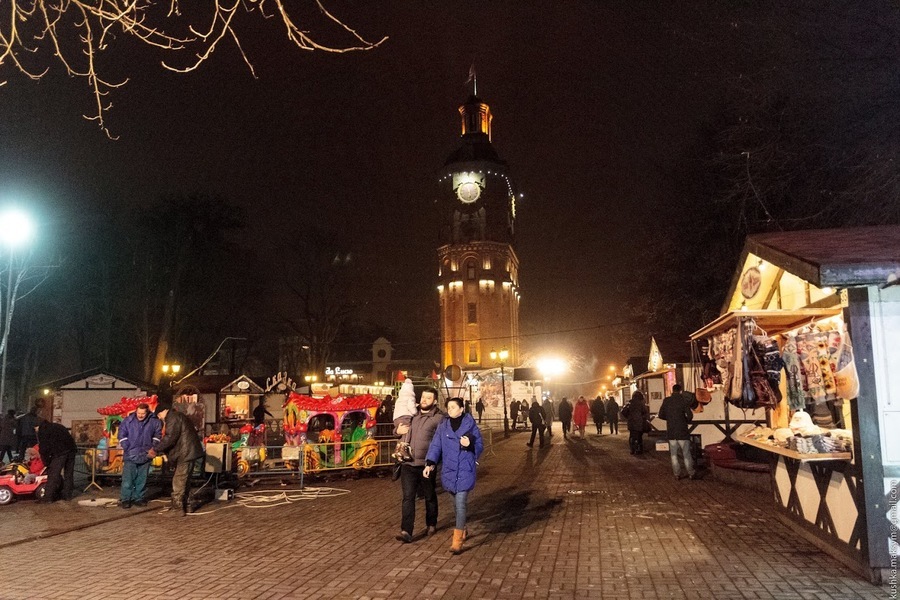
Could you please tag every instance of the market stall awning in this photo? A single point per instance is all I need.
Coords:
(772, 321)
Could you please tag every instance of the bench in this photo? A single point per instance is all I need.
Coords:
(724, 455)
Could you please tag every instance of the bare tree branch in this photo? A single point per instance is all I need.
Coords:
(76, 32)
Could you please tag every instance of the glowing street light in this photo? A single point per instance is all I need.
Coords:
(16, 230)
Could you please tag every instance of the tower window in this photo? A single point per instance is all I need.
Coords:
(473, 353)
(472, 313)
(470, 270)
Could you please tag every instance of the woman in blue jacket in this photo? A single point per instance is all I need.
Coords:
(457, 444)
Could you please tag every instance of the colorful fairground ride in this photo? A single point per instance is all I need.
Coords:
(107, 457)
(330, 432)
(248, 451)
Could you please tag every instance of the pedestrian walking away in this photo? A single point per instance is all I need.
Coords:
(420, 432)
(565, 416)
(637, 415)
(57, 448)
(457, 445)
(479, 408)
(598, 413)
(514, 413)
(581, 415)
(548, 414)
(612, 415)
(536, 416)
(676, 412)
(138, 433)
(182, 447)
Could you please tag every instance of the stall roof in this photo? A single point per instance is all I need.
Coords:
(831, 257)
(772, 321)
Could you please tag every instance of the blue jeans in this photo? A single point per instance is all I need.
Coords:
(134, 481)
(685, 447)
(459, 503)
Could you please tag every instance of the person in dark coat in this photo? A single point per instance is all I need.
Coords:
(457, 444)
(612, 415)
(8, 440)
(479, 408)
(260, 412)
(564, 410)
(598, 413)
(536, 416)
(27, 435)
(181, 445)
(637, 414)
(419, 432)
(514, 412)
(57, 448)
(676, 412)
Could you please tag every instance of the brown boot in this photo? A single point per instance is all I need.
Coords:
(456, 546)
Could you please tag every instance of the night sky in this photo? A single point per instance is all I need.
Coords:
(595, 105)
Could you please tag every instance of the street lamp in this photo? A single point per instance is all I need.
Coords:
(16, 230)
(310, 379)
(501, 358)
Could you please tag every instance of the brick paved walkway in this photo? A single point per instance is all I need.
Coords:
(582, 519)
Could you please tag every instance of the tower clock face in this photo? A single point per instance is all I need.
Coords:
(468, 192)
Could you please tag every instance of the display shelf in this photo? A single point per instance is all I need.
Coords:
(793, 453)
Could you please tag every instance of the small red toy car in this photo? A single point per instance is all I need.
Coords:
(15, 480)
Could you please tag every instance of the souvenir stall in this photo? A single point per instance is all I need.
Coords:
(330, 432)
(804, 337)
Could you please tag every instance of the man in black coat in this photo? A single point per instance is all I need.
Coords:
(181, 444)
(676, 412)
(58, 450)
(538, 418)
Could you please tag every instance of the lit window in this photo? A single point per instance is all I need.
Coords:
(470, 270)
(473, 353)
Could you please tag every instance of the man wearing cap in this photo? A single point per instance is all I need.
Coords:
(138, 433)
(181, 444)
(57, 448)
(676, 412)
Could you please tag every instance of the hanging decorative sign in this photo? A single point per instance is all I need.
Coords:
(750, 282)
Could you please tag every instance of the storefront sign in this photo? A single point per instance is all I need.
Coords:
(338, 371)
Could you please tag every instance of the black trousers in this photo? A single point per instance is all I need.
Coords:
(566, 427)
(636, 441)
(535, 429)
(614, 425)
(60, 474)
(411, 481)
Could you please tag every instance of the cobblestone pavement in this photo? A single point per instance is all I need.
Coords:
(579, 519)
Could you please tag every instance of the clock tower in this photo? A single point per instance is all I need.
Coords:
(478, 270)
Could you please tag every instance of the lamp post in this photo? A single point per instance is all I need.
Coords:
(169, 372)
(16, 229)
(501, 358)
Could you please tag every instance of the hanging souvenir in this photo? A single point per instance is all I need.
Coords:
(846, 379)
(794, 375)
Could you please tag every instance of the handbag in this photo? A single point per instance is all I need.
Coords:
(395, 475)
(648, 427)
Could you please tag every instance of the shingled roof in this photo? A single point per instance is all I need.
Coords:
(852, 256)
